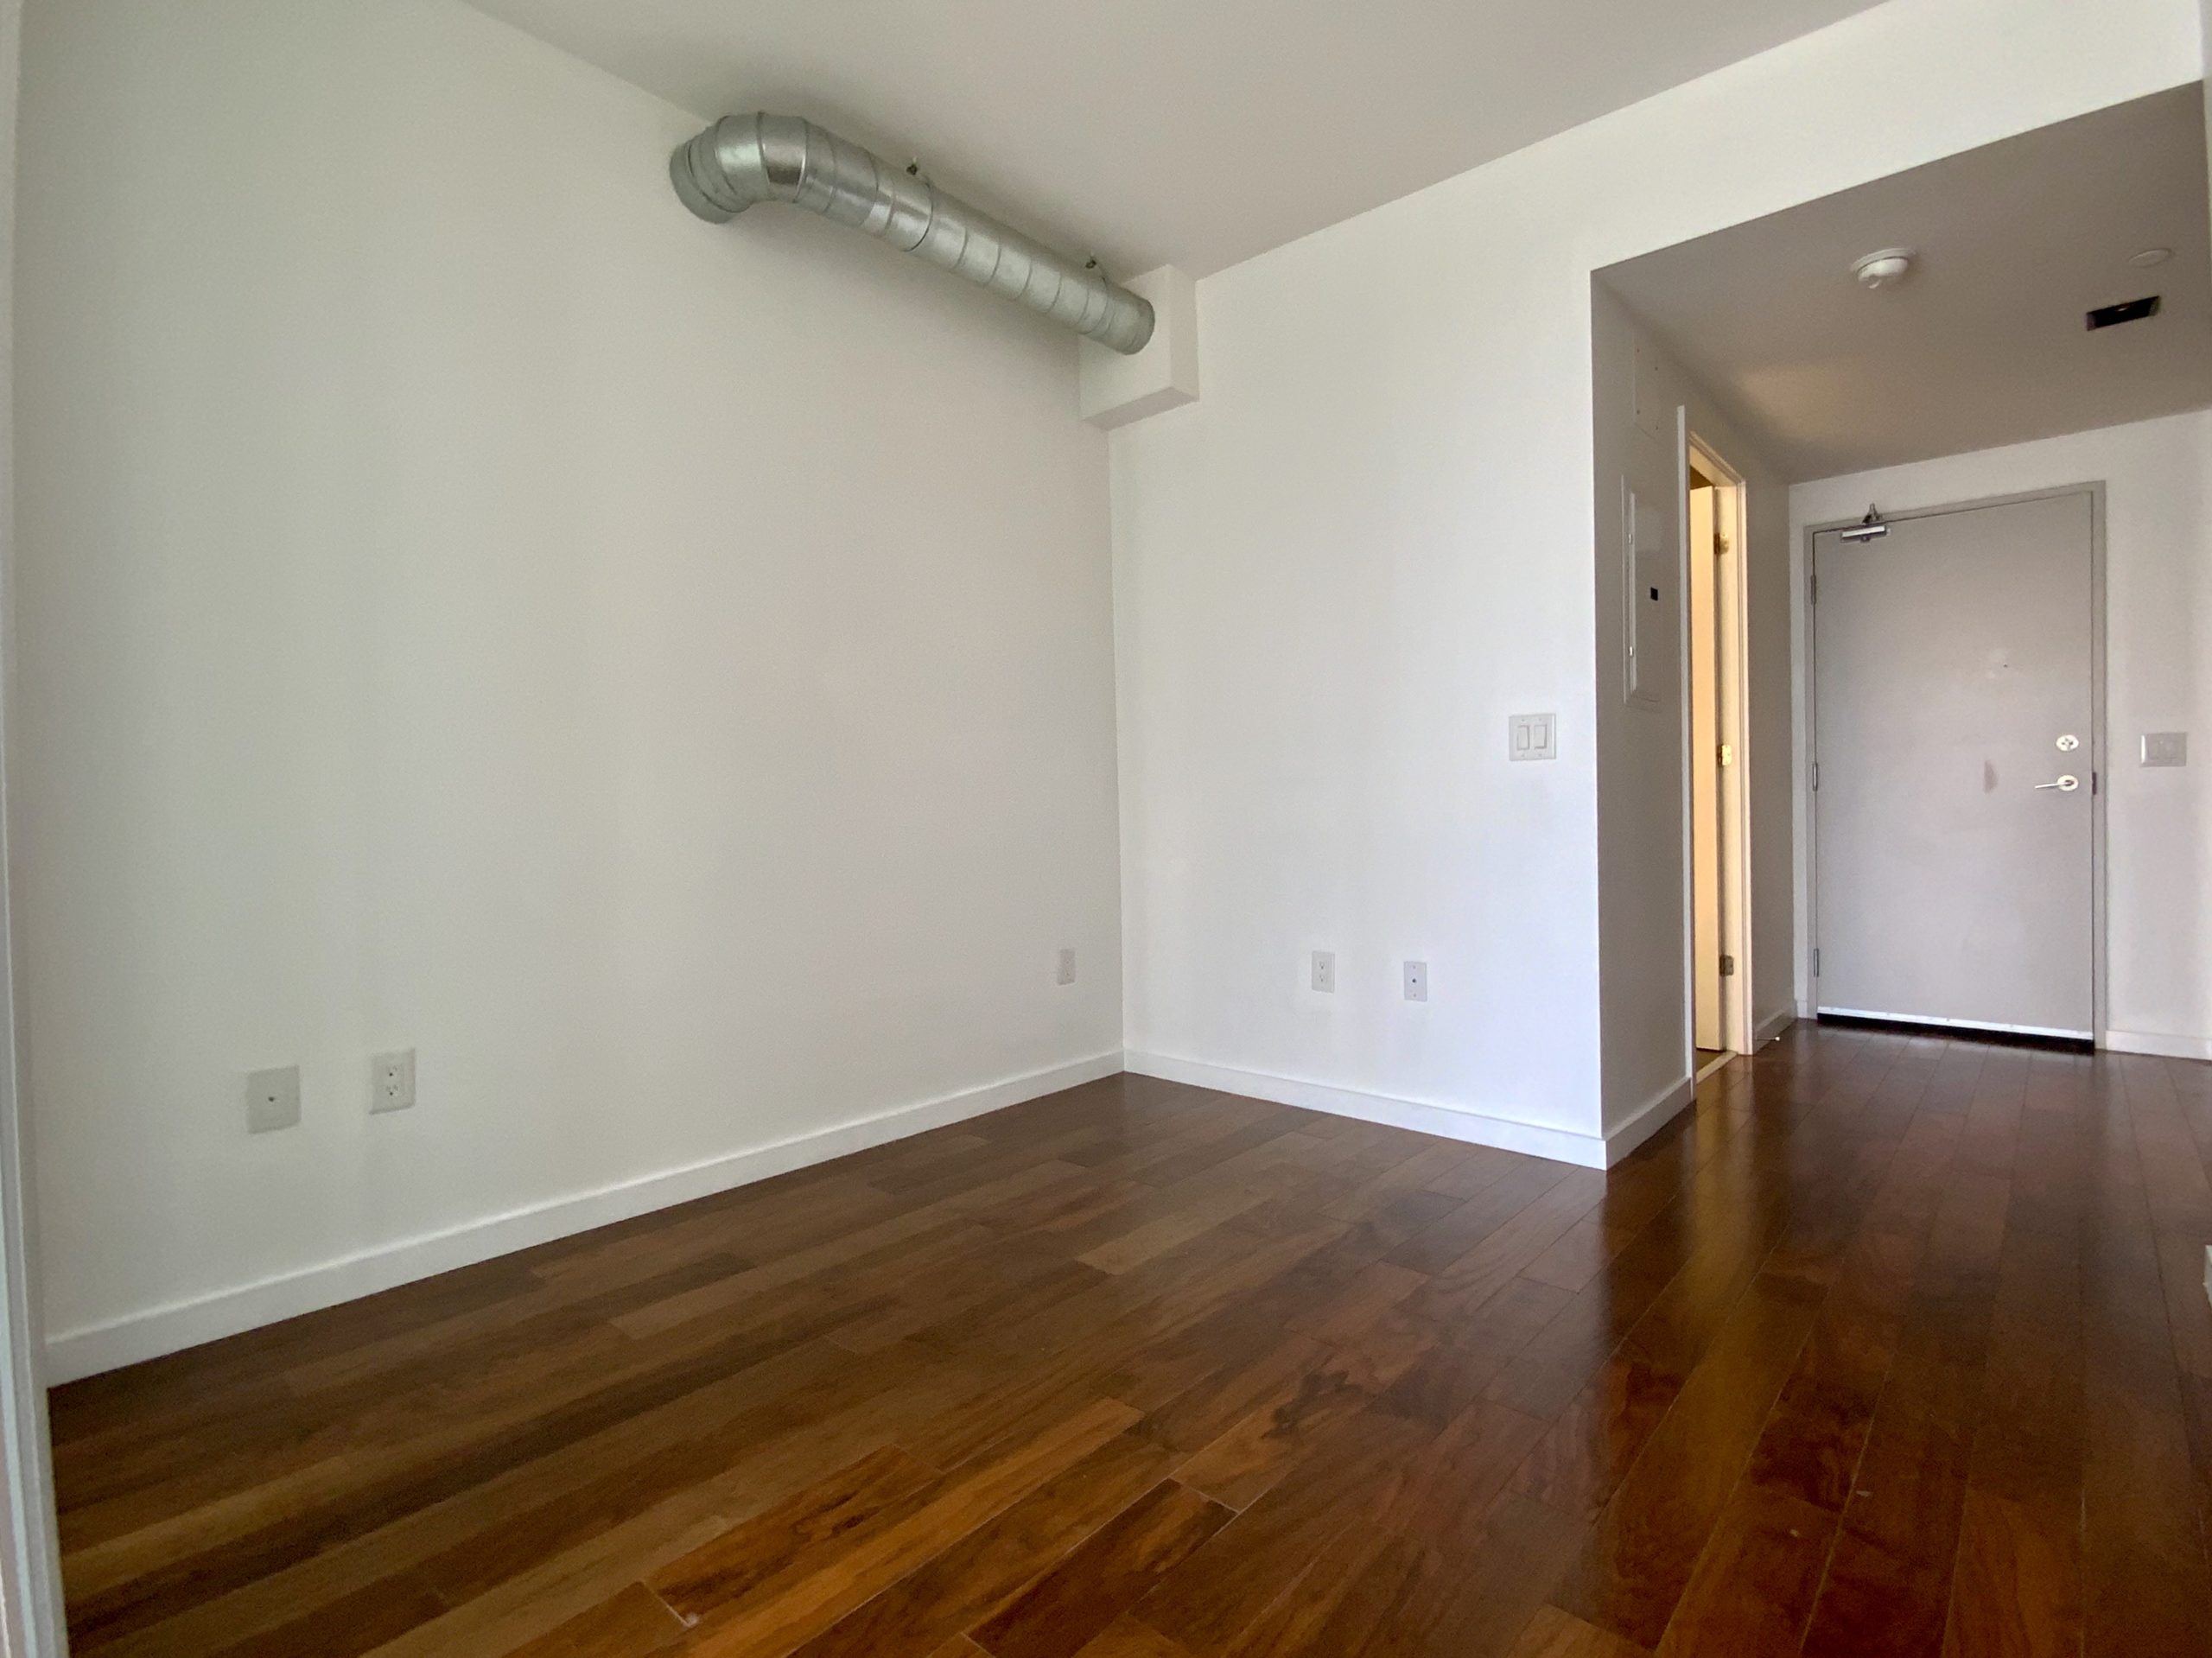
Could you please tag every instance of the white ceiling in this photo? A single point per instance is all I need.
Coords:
(1984, 343)
(1190, 132)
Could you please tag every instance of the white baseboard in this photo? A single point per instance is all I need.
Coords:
(1773, 1025)
(72, 1354)
(1447, 1122)
(2165, 1047)
(1649, 1119)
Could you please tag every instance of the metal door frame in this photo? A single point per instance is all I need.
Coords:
(2100, 769)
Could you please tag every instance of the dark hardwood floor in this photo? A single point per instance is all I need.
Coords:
(1893, 1344)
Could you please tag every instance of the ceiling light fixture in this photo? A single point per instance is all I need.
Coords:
(1883, 269)
(2153, 256)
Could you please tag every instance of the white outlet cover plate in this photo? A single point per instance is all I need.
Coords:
(1324, 971)
(272, 1099)
(1416, 980)
(399, 1094)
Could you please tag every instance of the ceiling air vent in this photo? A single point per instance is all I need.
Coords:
(2134, 310)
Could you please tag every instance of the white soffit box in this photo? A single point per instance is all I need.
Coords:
(1116, 389)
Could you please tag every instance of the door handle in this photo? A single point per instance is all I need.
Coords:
(2064, 785)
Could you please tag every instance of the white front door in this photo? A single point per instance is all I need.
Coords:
(1952, 815)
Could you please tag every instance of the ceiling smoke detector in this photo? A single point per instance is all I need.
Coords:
(1883, 269)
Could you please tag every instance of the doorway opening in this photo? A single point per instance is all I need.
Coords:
(1715, 659)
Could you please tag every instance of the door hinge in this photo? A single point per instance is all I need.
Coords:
(1727, 754)
(1816, 776)
(1727, 966)
(1816, 962)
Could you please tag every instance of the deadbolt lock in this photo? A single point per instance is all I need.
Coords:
(2068, 743)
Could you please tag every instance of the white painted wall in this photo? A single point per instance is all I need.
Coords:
(30, 1579)
(1645, 987)
(660, 671)
(1338, 575)
(2157, 677)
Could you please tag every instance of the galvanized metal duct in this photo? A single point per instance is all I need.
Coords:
(742, 159)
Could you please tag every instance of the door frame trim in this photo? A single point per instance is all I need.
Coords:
(1738, 1021)
(2099, 765)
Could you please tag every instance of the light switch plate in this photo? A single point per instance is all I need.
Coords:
(272, 1099)
(1533, 737)
(2165, 748)
(1066, 973)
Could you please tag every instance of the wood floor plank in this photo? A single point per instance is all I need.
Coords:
(1645, 1542)
(971, 1580)
(630, 1624)
(1126, 1638)
(1343, 1480)
(1752, 1589)
(806, 1593)
(1555, 1634)
(1058, 1616)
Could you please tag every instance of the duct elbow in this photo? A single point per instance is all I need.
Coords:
(700, 184)
(727, 168)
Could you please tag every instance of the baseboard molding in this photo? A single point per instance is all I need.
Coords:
(1773, 1025)
(1649, 1119)
(1447, 1122)
(72, 1354)
(2165, 1047)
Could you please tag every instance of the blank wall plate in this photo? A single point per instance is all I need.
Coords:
(391, 1082)
(2165, 748)
(1324, 971)
(1067, 968)
(1533, 737)
(272, 1099)
(1416, 980)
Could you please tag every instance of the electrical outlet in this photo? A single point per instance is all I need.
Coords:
(1067, 967)
(272, 1099)
(1324, 971)
(391, 1082)
(1416, 980)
